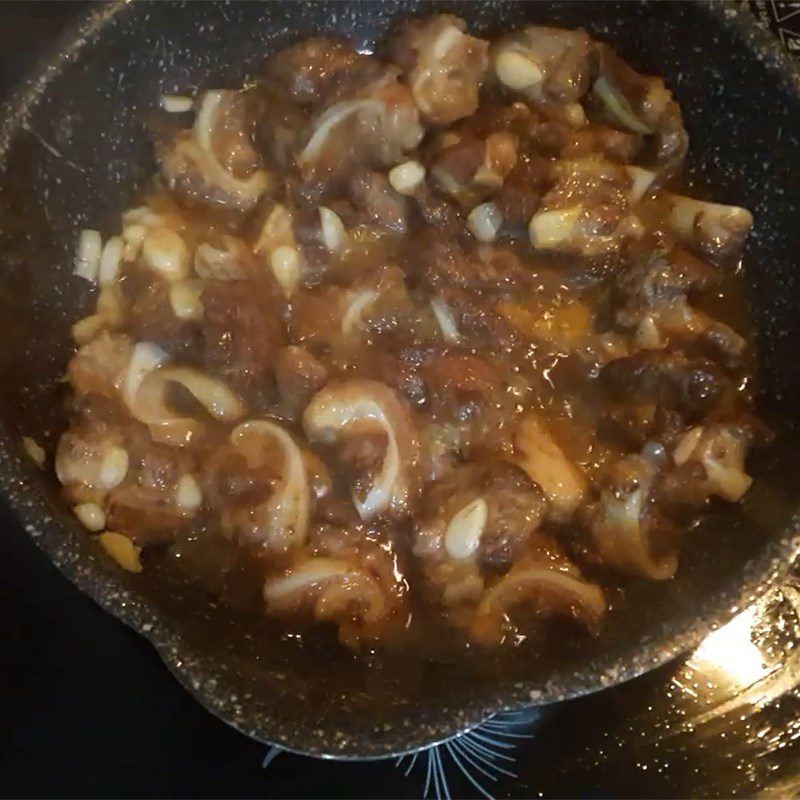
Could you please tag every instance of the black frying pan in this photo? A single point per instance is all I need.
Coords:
(73, 152)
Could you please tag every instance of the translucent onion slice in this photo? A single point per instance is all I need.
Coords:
(329, 120)
(555, 591)
(618, 106)
(446, 321)
(286, 514)
(246, 190)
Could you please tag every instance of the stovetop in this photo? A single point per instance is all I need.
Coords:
(86, 707)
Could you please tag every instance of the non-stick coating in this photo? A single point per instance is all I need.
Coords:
(75, 152)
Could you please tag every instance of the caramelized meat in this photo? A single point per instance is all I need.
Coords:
(416, 338)
(241, 338)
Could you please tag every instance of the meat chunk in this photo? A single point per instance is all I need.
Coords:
(660, 278)
(374, 125)
(544, 461)
(627, 529)
(312, 70)
(468, 395)
(546, 65)
(710, 461)
(351, 575)
(548, 585)
(475, 523)
(381, 205)
(214, 163)
(522, 193)
(474, 167)
(242, 330)
(151, 316)
(160, 494)
(488, 267)
(642, 104)
(336, 319)
(587, 211)
(99, 367)
(655, 294)
(443, 65)
(299, 377)
(690, 386)
(91, 458)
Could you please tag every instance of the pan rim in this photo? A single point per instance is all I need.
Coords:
(37, 515)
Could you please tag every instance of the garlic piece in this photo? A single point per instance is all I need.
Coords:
(114, 468)
(463, 535)
(110, 260)
(285, 263)
(188, 494)
(91, 516)
(548, 229)
(333, 230)
(516, 71)
(185, 299)
(176, 103)
(122, 550)
(484, 221)
(164, 252)
(405, 178)
(87, 256)
(34, 450)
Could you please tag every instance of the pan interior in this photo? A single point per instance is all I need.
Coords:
(74, 154)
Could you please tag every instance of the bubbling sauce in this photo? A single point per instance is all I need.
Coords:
(414, 339)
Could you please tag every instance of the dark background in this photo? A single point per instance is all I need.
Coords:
(87, 709)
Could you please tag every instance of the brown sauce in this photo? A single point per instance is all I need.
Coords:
(421, 345)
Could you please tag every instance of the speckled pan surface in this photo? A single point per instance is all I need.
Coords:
(73, 152)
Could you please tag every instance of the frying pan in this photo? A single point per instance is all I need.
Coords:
(73, 153)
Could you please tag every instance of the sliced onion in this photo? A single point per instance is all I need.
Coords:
(248, 189)
(329, 120)
(309, 574)
(289, 508)
(619, 107)
(361, 404)
(145, 358)
(352, 317)
(150, 404)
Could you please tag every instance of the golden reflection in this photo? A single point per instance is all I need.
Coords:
(731, 651)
